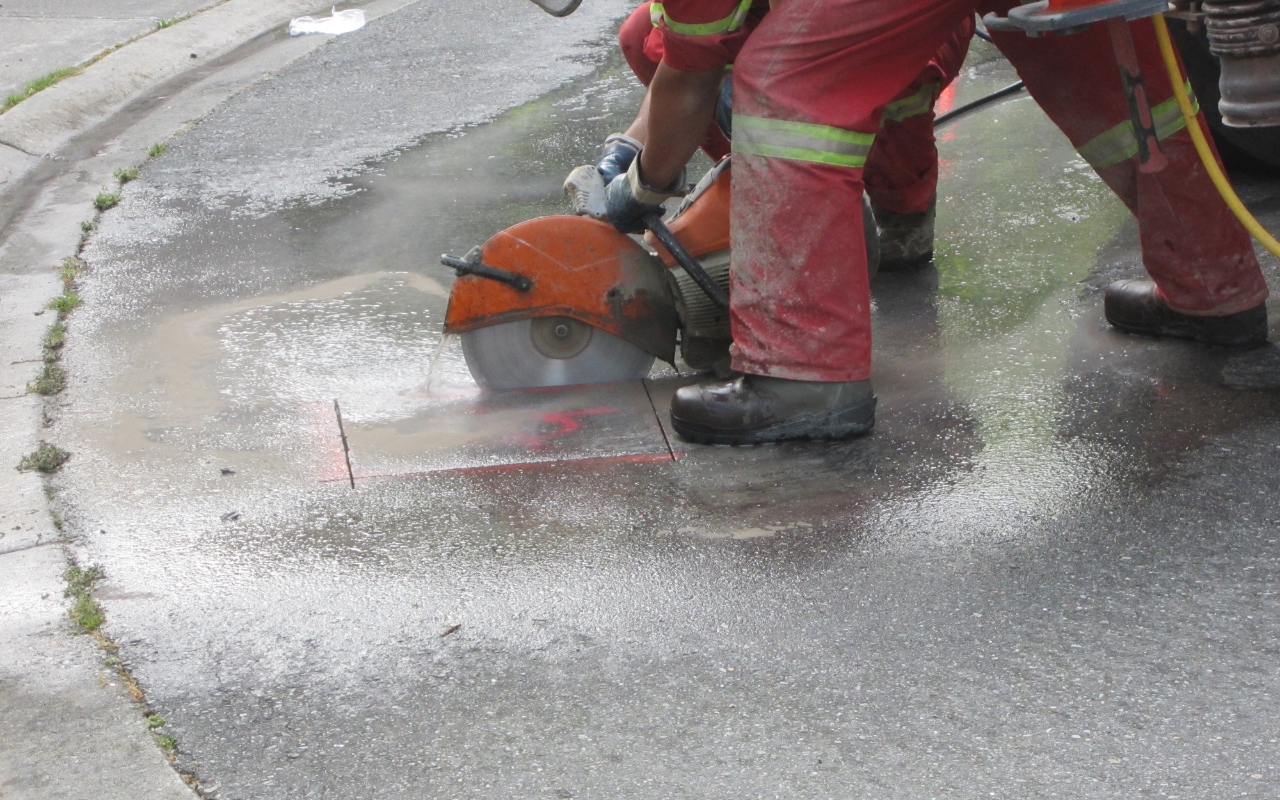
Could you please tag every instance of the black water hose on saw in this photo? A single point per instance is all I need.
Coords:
(956, 113)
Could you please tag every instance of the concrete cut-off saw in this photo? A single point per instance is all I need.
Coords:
(566, 300)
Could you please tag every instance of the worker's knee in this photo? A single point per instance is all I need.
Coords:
(632, 37)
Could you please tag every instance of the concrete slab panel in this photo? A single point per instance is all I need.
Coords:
(599, 424)
(67, 729)
(31, 47)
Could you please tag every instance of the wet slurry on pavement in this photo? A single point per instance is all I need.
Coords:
(1048, 572)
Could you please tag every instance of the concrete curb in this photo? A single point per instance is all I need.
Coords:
(68, 728)
(46, 121)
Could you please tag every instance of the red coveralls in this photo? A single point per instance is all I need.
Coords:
(902, 169)
(811, 86)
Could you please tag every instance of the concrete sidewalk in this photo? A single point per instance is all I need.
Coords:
(40, 36)
(70, 723)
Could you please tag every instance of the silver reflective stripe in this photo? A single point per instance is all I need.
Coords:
(800, 141)
(1120, 143)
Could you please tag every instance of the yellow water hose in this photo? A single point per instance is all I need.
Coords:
(1202, 147)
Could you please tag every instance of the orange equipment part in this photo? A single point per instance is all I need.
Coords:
(703, 227)
(580, 268)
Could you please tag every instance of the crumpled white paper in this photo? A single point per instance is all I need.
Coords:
(341, 22)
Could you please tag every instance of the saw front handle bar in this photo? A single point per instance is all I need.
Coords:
(472, 265)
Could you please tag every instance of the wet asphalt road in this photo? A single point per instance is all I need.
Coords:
(1049, 572)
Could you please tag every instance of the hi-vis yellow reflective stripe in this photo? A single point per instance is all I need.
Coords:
(919, 103)
(800, 141)
(657, 13)
(1121, 144)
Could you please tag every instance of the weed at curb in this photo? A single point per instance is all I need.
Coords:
(38, 85)
(127, 174)
(157, 149)
(88, 226)
(52, 380)
(53, 340)
(69, 270)
(46, 458)
(65, 303)
(161, 24)
(85, 611)
(106, 200)
(87, 614)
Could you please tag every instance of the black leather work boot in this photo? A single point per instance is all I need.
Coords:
(752, 409)
(1133, 307)
(906, 240)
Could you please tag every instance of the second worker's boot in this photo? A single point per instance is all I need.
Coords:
(1134, 306)
(752, 409)
(906, 240)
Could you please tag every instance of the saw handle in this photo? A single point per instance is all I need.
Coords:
(690, 264)
(472, 265)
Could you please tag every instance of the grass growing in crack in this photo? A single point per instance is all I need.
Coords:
(155, 721)
(52, 379)
(65, 303)
(106, 200)
(54, 339)
(38, 85)
(127, 174)
(46, 458)
(80, 580)
(69, 270)
(161, 24)
(85, 611)
(88, 226)
(157, 149)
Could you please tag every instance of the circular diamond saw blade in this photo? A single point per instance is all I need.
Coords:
(550, 351)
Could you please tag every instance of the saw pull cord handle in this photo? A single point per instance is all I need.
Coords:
(1202, 147)
(690, 264)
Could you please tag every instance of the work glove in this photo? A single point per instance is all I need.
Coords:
(627, 201)
(619, 151)
(585, 185)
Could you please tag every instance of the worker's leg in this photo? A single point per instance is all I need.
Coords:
(633, 37)
(1200, 256)
(809, 87)
(902, 169)
(642, 47)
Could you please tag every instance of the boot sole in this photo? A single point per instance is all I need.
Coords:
(1193, 333)
(835, 425)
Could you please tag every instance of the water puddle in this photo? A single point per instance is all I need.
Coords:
(228, 332)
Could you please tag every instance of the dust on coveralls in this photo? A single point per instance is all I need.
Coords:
(902, 169)
(811, 85)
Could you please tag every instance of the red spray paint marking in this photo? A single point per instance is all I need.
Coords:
(566, 421)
